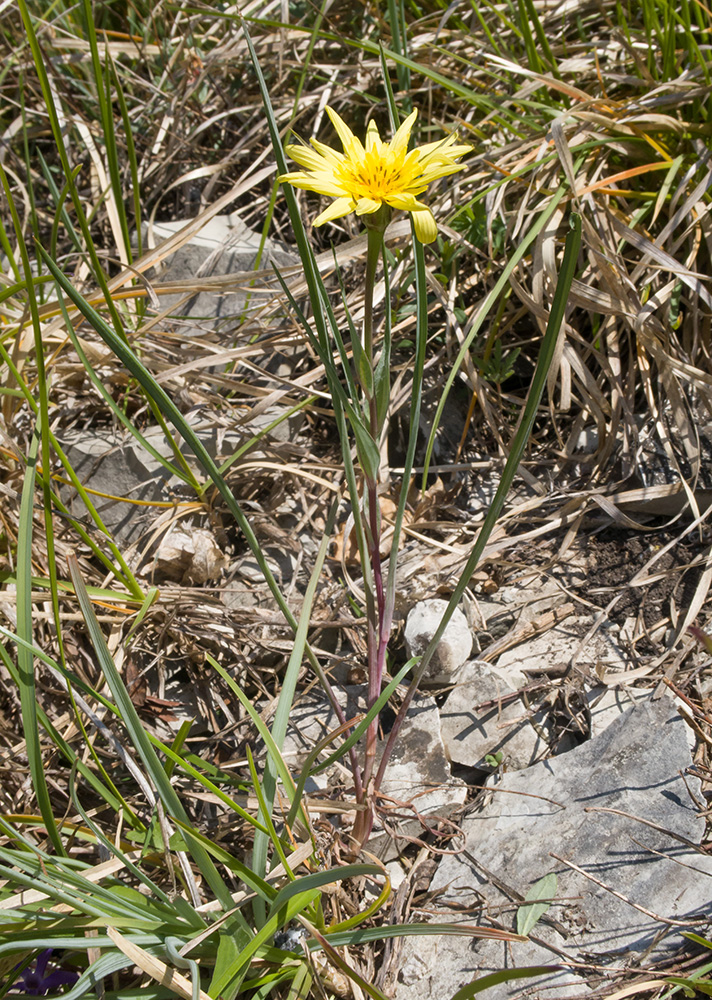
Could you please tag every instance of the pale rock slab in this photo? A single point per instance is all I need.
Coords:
(521, 602)
(483, 715)
(454, 647)
(562, 645)
(556, 808)
(605, 705)
(115, 463)
(225, 245)
(418, 781)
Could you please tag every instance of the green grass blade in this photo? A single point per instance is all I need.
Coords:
(505, 976)
(25, 660)
(140, 740)
(483, 312)
(315, 881)
(166, 406)
(286, 695)
(519, 442)
(177, 760)
(225, 984)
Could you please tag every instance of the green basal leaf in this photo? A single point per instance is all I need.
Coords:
(536, 902)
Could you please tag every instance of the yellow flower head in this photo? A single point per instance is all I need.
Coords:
(364, 178)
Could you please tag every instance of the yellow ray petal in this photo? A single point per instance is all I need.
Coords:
(332, 155)
(404, 201)
(366, 206)
(322, 183)
(435, 170)
(338, 208)
(401, 138)
(445, 147)
(307, 157)
(373, 138)
(352, 145)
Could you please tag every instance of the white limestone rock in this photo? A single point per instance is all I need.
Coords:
(454, 647)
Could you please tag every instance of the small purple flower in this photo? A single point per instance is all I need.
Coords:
(38, 980)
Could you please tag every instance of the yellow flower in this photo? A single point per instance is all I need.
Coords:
(364, 178)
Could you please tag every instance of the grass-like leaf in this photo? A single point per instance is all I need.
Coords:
(505, 976)
(140, 740)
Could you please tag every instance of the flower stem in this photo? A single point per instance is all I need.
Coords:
(377, 641)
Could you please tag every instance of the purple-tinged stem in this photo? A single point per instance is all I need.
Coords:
(377, 641)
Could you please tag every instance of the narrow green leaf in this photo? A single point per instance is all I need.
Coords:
(140, 740)
(315, 881)
(690, 987)
(505, 976)
(233, 975)
(25, 659)
(698, 939)
(362, 935)
(490, 300)
(519, 442)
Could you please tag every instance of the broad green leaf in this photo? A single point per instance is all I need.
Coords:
(536, 902)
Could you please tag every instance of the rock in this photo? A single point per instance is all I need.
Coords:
(605, 705)
(281, 563)
(239, 594)
(520, 603)
(553, 808)
(418, 782)
(116, 465)
(470, 732)
(587, 441)
(225, 245)
(396, 874)
(561, 644)
(454, 647)
(275, 421)
(190, 556)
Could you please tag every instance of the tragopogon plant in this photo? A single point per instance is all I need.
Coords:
(372, 179)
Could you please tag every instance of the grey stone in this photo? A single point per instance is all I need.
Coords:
(224, 246)
(239, 594)
(112, 461)
(631, 767)
(504, 724)
(114, 464)
(605, 705)
(587, 441)
(520, 603)
(286, 429)
(281, 563)
(561, 644)
(454, 647)
(418, 782)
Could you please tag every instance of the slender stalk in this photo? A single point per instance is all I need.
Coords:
(378, 629)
